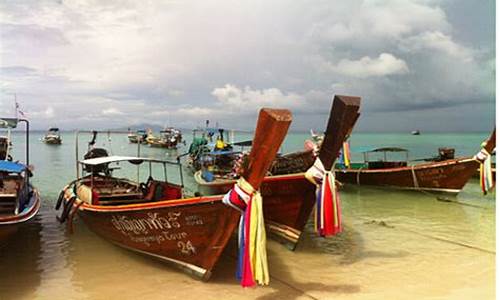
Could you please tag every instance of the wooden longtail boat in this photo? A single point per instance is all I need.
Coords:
(290, 198)
(52, 137)
(19, 200)
(168, 138)
(154, 218)
(448, 176)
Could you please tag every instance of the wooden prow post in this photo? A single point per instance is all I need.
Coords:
(343, 116)
(491, 142)
(271, 130)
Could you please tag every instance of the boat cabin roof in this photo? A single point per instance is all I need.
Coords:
(378, 149)
(11, 167)
(389, 149)
(222, 152)
(131, 159)
(8, 122)
(243, 143)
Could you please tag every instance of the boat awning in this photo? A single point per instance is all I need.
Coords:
(131, 159)
(376, 149)
(8, 122)
(243, 143)
(389, 149)
(11, 167)
(222, 152)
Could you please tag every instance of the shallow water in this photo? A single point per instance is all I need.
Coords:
(395, 244)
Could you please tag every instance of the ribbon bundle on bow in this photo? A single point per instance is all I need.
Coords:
(485, 172)
(252, 258)
(327, 214)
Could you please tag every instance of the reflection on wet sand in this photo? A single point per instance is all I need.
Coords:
(19, 261)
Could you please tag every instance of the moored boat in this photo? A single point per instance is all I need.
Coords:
(447, 175)
(155, 217)
(209, 143)
(19, 200)
(137, 137)
(288, 195)
(52, 137)
(168, 138)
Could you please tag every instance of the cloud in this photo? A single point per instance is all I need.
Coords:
(112, 111)
(184, 60)
(438, 42)
(235, 99)
(385, 64)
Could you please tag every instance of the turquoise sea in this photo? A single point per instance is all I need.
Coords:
(395, 244)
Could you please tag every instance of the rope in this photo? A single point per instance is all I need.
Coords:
(358, 181)
(415, 181)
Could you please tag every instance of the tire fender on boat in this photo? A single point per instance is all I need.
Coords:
(66, 209)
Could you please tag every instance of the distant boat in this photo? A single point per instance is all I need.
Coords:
(52, 137)
(138, 137)
(19, 200)
(168, 138)
(415, 132)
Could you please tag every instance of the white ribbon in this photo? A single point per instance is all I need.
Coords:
(316, 172)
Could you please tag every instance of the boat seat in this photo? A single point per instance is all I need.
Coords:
(7, 203)
(160, 191)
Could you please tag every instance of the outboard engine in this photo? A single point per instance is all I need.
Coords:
(446, 153)
(4, 146)
(95, 153)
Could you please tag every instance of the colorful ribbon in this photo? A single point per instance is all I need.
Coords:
(485, 171)
(346, 154)
(252, 258)
(327, 213)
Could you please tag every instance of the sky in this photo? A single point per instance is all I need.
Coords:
(416, 64)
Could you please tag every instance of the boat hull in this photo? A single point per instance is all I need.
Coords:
(9, 224)
(287, 200)
(189, 234)
(448, 176)
(52, 140)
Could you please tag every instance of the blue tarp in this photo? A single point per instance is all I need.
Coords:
(222, 152)
(12, 167)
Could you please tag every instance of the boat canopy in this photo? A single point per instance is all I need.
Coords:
(243, 143)
(8, 122)
(389, 149)
(222, 152)
(54, 129)
(363, 149)
(131, 159)
(11, 167)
